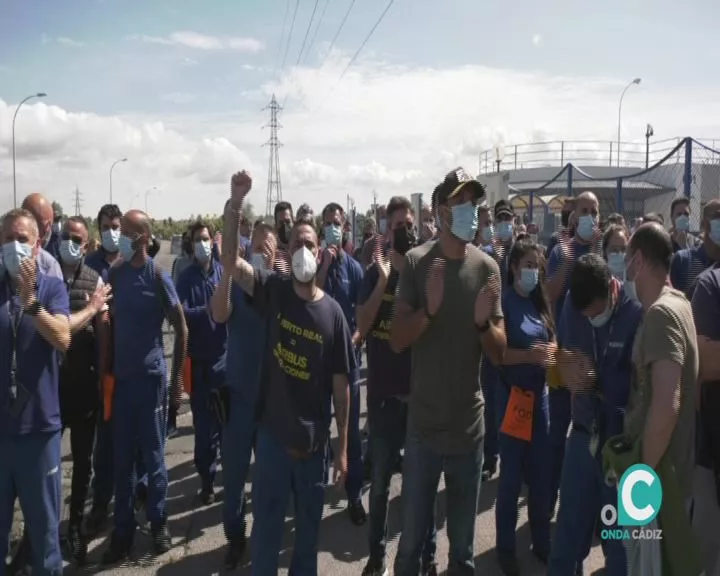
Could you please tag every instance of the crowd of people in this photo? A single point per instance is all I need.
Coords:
(488, 355)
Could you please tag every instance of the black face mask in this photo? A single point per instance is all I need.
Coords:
(565, 218)
(284, 232)
(403, 240)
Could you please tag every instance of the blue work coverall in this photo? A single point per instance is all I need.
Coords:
(596, 417)
(103, 465)
(140, 401)
(560, 397)
(343, 283)
(247, 333)
(30, 435)
(206, 350)
(522, 460)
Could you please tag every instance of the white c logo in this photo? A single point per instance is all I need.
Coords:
(637, 476)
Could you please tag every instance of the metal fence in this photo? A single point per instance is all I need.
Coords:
(691, 169)
(638, 154)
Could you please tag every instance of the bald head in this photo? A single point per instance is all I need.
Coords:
(586, 204)
(652, 242)
(136, 223)
(42, 210)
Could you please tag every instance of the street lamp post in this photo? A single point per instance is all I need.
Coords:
(499, 156)
(633, 83)
(38, 95)
(111, 171)
(649, 133)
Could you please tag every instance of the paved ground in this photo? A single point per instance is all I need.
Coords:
(198, 538)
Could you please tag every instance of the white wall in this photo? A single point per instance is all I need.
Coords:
(496, 186)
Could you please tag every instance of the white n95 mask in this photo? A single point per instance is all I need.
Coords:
(304, 265)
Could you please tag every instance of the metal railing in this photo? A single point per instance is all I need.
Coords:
(637, 154)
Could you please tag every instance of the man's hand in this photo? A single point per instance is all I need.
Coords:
(99, 298)
(435, 286)
(544, 354)
(26, 282)
(576, 370)
(328, 255)
(381, 263)
(218, 241)
(340, 473)
(240, 185)
(486, 301)
(396, 260)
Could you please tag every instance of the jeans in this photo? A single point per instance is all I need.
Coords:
(388, 423)
(82, 437)
(422, 467)
(276, 476)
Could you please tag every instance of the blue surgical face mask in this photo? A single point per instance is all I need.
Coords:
(127, 250)
(529, 278)
(203, 250)
(629, 285)
(382, 225)
(486, 234)
(333, 235)
(586, 227)
(715, 231)
(70, 252)
(505, 231)
(464, 221)
(257, 261)
(682, 223)
(13, 255)
(111, 240)
(616, 263)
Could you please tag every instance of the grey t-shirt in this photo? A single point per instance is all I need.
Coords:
(667, 333)
(446, 402)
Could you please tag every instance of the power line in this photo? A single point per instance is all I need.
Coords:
(282, 34)
(337, 32)
(292, 27)
(317, 27)
(307, 33)
(359, 50)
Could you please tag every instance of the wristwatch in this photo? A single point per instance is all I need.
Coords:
(33, 309)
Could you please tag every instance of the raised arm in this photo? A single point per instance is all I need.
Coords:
(240, 270)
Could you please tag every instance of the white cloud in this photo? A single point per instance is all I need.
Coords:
(197, 41)
(62, 40)
(394, 129)
(537, 40)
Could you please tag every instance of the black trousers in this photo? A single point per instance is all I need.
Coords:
(82, 440)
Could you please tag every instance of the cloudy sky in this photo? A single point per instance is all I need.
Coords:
(178, 88)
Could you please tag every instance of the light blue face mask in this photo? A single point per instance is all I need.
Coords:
(203, 250)
(715, 231)
(601, 319)
(682, 223)
(13, 255)
(616, 263)
(529, 278)
(586, 227)
(629, 286)
(333, 235)
(464, 221)
(505, 231)
(70, 252)
(382, 225)
(487, 234)
(111, 240)
(127, 250)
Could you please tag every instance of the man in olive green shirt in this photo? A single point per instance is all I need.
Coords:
(447, 309)
(661, 409)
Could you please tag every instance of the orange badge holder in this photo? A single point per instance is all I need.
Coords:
(108, 389)
(518, 419)
(187, 376)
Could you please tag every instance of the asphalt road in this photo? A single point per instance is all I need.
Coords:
(199, 542)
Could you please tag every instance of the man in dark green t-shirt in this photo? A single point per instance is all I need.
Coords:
(447, 311)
